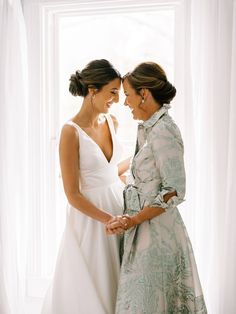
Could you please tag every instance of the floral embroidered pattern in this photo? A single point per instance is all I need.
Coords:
(158, 271)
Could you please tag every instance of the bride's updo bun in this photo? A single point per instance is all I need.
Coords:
(151, 76)
(97, 73)
(76, 84)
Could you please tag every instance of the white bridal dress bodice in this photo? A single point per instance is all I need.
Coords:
(87, 268)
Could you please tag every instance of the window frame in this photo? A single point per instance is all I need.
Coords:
(42, 25)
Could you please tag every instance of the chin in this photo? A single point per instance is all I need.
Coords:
(135, 117)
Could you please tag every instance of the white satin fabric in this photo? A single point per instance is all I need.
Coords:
(87, 268)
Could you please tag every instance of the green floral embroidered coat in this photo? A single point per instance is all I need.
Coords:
(158, 271)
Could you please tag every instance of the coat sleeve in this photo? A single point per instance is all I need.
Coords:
(167, 149)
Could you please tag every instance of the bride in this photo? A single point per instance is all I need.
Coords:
(87, 269)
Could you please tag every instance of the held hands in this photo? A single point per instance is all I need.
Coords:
(119, 224)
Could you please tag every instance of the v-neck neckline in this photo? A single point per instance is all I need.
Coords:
(93, 141)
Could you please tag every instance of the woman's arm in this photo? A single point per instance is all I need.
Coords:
(167, 150)
(147, 213)
(128, 222)
(69, 161)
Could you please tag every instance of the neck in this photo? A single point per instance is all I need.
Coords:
(151, 110)
(88, 116)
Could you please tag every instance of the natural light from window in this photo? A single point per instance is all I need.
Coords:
(125, 40)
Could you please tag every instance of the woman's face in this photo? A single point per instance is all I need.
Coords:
(109, 94)
(133, 101)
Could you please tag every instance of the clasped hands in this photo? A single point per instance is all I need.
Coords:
(119, 224)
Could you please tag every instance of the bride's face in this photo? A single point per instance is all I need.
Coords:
(108, 95)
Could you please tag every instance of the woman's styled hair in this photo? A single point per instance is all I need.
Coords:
(96, 74)
(151, 76)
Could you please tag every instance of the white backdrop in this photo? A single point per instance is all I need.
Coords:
(211, 153)
(205, 77)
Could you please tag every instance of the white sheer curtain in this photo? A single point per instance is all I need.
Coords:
(13, 156)
(206, 80)
(209, 120)
(228, 261)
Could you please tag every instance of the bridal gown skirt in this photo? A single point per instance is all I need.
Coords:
(87, 269)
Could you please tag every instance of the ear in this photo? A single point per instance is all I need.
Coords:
(92, 90)
(144, 93)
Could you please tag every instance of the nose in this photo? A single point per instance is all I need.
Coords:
(126, 102)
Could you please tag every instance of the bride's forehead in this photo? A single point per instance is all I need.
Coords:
(115, 84)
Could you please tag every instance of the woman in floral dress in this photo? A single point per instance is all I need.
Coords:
(158, 271)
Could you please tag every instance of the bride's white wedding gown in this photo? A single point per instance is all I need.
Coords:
(87, 269)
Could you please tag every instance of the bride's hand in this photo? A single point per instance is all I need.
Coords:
(116, 225)
(119, 224)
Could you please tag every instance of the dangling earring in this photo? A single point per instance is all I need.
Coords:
(141, 102)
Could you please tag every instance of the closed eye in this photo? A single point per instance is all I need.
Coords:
(114, 92)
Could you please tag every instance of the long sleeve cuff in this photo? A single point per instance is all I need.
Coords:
(171, 203)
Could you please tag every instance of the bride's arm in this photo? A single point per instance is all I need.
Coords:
(123, 166)
(69, 161)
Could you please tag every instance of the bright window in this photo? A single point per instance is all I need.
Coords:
(64, 36)
(125, 40)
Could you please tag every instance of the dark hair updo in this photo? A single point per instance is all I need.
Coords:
(97, 73)
(151, 76)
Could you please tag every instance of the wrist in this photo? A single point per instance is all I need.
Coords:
(137, 219)
(106, 218)
(130, 221)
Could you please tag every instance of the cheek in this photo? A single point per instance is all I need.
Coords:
(103, 99)
(132, 101)
(135, 105)
(109, 97)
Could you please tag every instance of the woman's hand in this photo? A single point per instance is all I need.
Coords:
(115, 225)
(120, 224)
(129, 221)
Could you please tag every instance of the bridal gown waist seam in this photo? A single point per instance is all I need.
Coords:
(100, 187)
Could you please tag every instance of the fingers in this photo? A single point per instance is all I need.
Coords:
(117, 231)
(115, 222)
(114, 231)
(113, 219)
(119, 224)
(115, 226)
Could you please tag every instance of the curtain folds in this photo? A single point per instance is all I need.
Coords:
(228, 260)
(206, 112)
(14, 154)
(212, 134)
